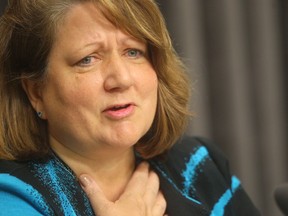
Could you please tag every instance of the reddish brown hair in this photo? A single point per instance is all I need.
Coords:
(27, 35)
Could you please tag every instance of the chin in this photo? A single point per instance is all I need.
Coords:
(124, 141)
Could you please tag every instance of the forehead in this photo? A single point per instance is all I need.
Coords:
(87, 21)
(89, 13)
(85, 29)
(84, 15)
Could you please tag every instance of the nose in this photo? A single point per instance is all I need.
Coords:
(117, 72)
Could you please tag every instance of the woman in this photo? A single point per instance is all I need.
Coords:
(92, 91)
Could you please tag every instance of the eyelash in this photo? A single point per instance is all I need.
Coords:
(138, 53)
(82, 63)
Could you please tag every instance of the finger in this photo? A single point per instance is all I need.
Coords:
(152, 189)
(160, 205)
(96, 196)
(138, 181)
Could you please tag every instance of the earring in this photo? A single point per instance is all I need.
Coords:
(39, 114)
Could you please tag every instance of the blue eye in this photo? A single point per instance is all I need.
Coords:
(87, 61)
(134, 53)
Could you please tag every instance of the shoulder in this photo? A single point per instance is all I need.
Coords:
(46, 181)
(17, 196)
(7, 166)
(19, 170)
(196, 169)
(200, 147)
(195, 160)
(199, 150)
(188, 144)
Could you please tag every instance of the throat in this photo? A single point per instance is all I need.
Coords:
(113, 190)
(114, 181)
(111, 172)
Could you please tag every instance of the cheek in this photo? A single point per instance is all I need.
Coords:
(88, 92)
(70, 92)
(152, 86)
(148, 81)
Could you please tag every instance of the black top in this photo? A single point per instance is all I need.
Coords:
(194, 178)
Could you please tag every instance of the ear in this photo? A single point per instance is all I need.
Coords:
(33, 90)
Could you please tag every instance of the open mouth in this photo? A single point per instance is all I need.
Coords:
(116, 108)
(119, 111)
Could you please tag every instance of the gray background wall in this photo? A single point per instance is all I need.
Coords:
(236, 52)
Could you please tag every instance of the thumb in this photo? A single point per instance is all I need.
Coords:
(96, 196)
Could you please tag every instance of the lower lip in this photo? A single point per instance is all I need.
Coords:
(120, 114)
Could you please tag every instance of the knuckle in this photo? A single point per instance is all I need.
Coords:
(140, 204)
(160, 205)
(90, 192)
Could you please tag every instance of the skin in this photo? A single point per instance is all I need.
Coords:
(94, 69)
(140, 198)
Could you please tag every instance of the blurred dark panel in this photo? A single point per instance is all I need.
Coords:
(284, 19)
(3, 3)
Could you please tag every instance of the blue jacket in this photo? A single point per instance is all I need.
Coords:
(194, 178)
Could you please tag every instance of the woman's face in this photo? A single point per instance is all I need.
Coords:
(101, 89)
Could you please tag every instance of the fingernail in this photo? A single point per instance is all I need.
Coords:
(85, 180)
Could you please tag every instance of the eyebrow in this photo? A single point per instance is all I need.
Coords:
(124, 38)
(129, 39)
(99, 42)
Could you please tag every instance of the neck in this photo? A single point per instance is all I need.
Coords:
(111, 170)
